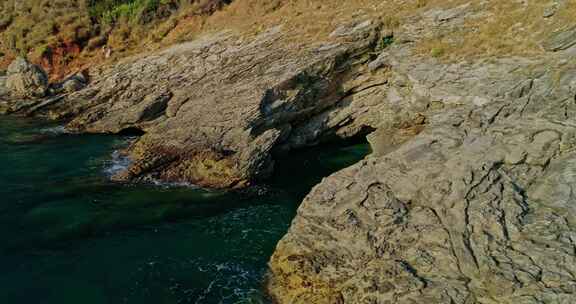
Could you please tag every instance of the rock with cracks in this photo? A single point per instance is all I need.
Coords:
(470, 201)
(214, 111)
(26, 80)
(466, 198)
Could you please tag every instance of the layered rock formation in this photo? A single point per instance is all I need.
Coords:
(216, 109)
(477, 208)
(3, 88)
(466, 198)
(474, 206)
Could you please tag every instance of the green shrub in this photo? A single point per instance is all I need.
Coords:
(437, 52)
(41, 51)
(385, 42)
(108, 12)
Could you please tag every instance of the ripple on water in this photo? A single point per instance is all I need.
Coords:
(224, 282)
(81, 239)
(57, 130)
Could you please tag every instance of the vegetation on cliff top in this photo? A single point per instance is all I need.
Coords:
(64, 35)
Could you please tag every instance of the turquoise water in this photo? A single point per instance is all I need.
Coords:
(68, 235)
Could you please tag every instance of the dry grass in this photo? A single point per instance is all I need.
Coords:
(308, 20)
(65, 35)
(499, 28)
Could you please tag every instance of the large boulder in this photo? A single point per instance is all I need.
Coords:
(74, 83)
(475, 206)
(26, 80)
(70, 84)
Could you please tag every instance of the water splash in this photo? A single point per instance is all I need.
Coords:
(118, 163)
(57, 130)
(228, 281)
(170, 185)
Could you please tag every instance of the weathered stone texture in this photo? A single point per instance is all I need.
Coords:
(215, 110)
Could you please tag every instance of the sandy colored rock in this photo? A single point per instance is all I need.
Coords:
(468, 202)
(467, 196)
(26, 80)
(216, 110)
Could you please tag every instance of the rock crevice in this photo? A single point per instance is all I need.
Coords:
(466, 198)
(213, 111)
(473, 206)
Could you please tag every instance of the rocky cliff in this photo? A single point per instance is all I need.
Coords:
(475, 207)
(467, 196)
(215, 110)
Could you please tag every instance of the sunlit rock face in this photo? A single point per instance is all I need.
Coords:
(467, 197)
(214, 111)
(26, 80)
(470, 203)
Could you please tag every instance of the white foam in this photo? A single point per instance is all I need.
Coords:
(58, 130)
(119, 163)
(174, 184)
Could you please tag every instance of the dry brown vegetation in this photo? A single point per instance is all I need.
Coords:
(66, 35)
(501, 28)
(63, 35)
(496, 28)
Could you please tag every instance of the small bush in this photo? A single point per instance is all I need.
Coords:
(437, 52)
(385, 42)
(41, 51)
(109, 12)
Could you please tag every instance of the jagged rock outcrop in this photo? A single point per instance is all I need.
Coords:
(466, 198)
(561, 40)
(471, 202)
(26, 80)
(216, 109)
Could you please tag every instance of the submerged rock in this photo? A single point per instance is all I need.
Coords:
(26, 80)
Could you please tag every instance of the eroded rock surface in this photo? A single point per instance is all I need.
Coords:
(3, 88)
(476, 208)
(561, 40)
(26, 80)
(466, 198)
(216, 109)
(470, 201)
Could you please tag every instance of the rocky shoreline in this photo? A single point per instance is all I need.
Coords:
(466, 198)
(475, 205)
(214, 111)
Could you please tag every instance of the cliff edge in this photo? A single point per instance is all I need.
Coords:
(467, 196)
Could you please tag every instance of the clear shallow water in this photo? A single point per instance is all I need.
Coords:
(67, 235)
